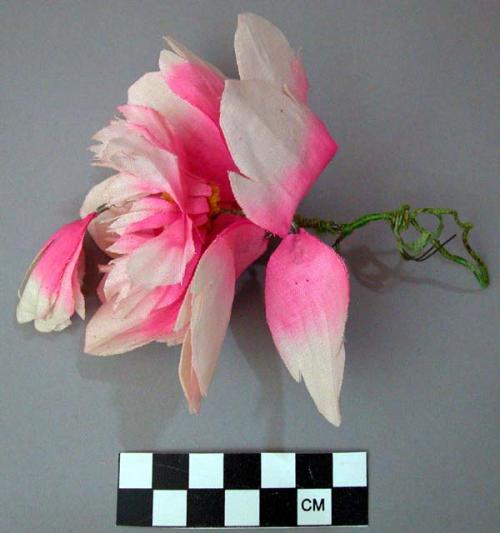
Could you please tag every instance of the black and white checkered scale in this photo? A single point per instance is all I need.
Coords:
(242, 489)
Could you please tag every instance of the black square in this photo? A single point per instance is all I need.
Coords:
(205, 508)
(313, 470)
(170, 471)
(134, 507)
(242, 471)
(350, 506)
(278, 507)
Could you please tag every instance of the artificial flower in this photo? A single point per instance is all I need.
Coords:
(206, 170)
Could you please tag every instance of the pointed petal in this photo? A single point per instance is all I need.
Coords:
(112, 332)
(158, 169)
(186, 53)
(205, 153)
(149, 90)
(210, 296)
(163, 259)
(193, 81)
(263, 53)
(279, 146)
(51, 293)
(117, 189)
(187, 376)
(212, 289)
(307, 295)
(151, 125)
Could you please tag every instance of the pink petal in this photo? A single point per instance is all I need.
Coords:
(162, 260)
(158, 169)
(151, 125)
(127, 244)
(115, 284)
(189, 55)
(205, 153)
(193, 81)
(116, 190)
(279, 146)
(263, 53)
(207, 304)
(153, 209)
(111, 331)
(307, 295)
(51, 293)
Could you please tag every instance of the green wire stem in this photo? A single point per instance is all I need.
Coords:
(426, 244)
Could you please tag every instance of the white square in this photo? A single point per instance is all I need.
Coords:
(169, 508)
(241, 508)
(136, 471)
(206, 470)
(314, 507)
(349, 469)
(277, 470)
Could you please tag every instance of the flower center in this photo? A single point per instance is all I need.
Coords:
(214, 201)
(165, 196)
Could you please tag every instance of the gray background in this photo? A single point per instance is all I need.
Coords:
(408, 89)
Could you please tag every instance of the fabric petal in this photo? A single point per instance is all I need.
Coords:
(51, 292)
(112, 332)
(263, 53)
(151, 125)
(208, 303)
(205, 152)
(279, 146)
(116, 190)
(162, 260)
(158, 169)
(307, 296)
(193, 81)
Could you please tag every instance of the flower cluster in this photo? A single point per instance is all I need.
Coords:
(206, 169)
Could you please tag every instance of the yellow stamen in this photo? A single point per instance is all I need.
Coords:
(167, 197)
(214, 201)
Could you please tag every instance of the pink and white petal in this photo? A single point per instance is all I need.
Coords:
(153, 222)
(187, 376)
(47, 297)
(263, 53)
(162, 260)
(247, 242)
(307, 296)
(204, 152)
(194, 82)
(109, 333)
(115, 284)
(279, 146)
(59, 315)
(116, 129)
(77, 280)
(116, 190)
(140, 210)
(154, 166)
(127, 244)
(212, 293)
(33, 302)
(150, 90)
(151, 125)
(208, 301)
(186, 53)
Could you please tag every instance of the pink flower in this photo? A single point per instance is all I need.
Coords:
(279, 148)
(51, 292)
(192, 149)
